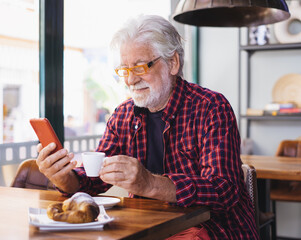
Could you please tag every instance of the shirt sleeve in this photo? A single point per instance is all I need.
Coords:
(217, 185)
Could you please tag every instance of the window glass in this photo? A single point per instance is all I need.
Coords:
(19, 69)
(92, 89)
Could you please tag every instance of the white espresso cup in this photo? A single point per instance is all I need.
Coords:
(92, 162)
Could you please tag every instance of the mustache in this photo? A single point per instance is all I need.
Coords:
(139, 85)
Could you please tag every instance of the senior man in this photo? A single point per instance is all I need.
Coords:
(173, 140)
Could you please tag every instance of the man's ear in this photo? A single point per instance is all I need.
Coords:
(175, 64)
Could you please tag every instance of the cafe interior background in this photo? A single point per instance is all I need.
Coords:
(91, 90)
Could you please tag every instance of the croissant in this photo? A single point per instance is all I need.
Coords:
(80, 208)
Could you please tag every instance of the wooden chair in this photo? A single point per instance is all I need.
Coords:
(287, 190)
(29, 176)
(251, 183)
(282, 190)
(262, 219)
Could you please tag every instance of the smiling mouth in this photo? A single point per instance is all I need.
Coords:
(140, 89)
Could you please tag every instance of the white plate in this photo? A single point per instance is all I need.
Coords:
(38, 217)
(107, 202)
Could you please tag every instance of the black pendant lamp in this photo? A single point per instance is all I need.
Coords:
(231, 13)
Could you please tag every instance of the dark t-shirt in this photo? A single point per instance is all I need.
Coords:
(155, 148)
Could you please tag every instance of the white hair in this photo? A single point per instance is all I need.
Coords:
(154, 30)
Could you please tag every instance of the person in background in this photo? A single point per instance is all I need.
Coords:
(173, 140)
(69, 127)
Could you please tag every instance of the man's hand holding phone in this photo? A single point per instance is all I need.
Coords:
(53, 160)
(57, 167)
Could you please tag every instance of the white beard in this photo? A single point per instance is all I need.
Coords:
(154, 97)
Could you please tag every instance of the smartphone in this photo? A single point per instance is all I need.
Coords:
(45, 132)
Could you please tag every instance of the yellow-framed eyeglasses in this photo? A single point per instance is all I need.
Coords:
(137, 70)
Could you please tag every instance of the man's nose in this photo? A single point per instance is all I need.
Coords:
(132, 78)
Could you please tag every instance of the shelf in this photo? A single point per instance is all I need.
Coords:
(272, 118)
(244, 85)
(271, 47)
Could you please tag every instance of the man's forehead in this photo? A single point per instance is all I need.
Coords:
(134, 60)
(136, 55)
(132, 48)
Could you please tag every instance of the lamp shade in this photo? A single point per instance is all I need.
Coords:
(231, 13)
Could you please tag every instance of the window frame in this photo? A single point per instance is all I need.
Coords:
(51, 50)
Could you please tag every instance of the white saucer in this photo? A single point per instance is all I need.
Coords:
(107, 202)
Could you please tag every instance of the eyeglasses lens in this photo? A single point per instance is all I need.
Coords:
(138, 70)
(122, 73)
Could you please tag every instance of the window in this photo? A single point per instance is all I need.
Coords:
(91, 88)
(19, 81)
(19, 69)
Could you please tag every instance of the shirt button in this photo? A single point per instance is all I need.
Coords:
(173, 116)
(136, 127)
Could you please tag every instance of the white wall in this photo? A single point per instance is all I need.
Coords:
(219, 62)
(219, 72)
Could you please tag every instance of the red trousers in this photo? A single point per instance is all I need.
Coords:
(193, 233)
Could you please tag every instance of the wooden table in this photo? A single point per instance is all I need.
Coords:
(273, 167)
(134, 218)
(267, 169)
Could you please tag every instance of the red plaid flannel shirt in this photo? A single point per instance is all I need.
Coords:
(201, 156)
